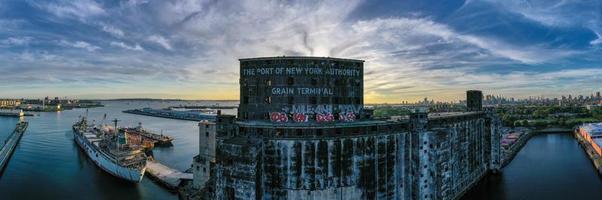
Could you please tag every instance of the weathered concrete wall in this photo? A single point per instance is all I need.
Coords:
(238, 169)
(453, 157)
(438, 159)
(362, 167)
(202, 163)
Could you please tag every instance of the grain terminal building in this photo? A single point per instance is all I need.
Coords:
(302, 133)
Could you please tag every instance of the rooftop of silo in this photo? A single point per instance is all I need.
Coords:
(300, 58)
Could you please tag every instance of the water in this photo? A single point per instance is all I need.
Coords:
(47, 163)
(551, 166)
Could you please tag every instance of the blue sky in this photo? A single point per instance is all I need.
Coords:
(189, 49)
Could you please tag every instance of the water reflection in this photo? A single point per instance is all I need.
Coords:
(551, 166)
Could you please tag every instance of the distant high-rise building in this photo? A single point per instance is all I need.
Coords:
(474, 100)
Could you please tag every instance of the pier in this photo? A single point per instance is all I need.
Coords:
(168, 177)
(8, 145)
(203, 107)
(14, 113)
(172, 114)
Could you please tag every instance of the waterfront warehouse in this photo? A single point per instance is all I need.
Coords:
(592, 134)
(302, 132)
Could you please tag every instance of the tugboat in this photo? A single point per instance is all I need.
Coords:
(109, 150)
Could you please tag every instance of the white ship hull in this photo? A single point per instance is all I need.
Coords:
(104, 162)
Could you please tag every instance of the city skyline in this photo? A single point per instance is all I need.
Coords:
(190, 49)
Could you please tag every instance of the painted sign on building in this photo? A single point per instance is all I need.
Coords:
(291, 71)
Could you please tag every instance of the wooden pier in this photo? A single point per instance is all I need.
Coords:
(9, 145)
(168, 177)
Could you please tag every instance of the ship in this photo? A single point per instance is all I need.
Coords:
(148, 136)
(110, 151)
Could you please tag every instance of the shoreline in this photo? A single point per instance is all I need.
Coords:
(591, 154)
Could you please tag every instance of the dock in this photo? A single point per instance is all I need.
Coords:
(8, 145)
(203, 107)
(14, 114)
(168, 177)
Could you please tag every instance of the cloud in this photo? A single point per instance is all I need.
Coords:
(128, 47)
(160, 40)
(558, 13)
(80, 9)
(112, 30)
(79, 44)
(15, 41)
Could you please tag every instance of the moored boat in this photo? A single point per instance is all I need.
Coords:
(109, 150)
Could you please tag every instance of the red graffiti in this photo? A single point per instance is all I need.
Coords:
(327, 117)
(299, 117)
(278, 117)
(347, 117)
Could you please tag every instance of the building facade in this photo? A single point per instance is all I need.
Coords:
(9, 103)
(474, 100)
(302, 133)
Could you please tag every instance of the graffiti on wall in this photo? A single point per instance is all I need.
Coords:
(319, 113)
(346, 117)
(278, 117)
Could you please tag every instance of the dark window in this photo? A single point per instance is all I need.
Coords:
(313, 100)
(290, 81)
(245, 100)
(230, 193)
(325, 100)
(291, 100)
(314, 81)
(206, 134)
(206, 125)
(204, 169)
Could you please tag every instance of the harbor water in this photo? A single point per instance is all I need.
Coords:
(550, 166)
(47, 164)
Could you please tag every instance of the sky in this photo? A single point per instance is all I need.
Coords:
(190, 49)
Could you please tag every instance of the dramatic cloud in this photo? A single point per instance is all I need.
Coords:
(190, 48)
